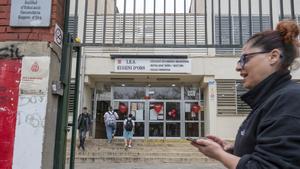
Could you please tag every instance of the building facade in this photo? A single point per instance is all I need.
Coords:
(171, 67)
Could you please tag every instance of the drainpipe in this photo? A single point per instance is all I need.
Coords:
(62, 110)
(75, 107)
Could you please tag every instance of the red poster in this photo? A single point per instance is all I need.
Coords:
(10, 75)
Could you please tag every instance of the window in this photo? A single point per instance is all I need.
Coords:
(228, 97)
(192, 129)
(235, 31)
(71, 97)
(156, 129)
(191, 93)
(190, 113)
(173, 130)
(168, 93)
(129, 92)
(121, 107)
(156, 111)
(173, 111)
(242, 107)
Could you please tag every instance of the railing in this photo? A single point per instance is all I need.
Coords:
(179, 23)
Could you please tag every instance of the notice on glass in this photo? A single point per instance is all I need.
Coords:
(187, 107)
(139, 114)
(153, 114)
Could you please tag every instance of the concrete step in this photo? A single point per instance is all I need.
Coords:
(148, 148)
(153, 151)
(139, 141)
(140, 148)
(137, 153)
(138, 159)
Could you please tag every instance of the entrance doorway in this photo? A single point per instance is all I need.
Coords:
(159, 112)
(102, 107)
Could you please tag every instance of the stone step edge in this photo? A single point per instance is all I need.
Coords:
(144, 157)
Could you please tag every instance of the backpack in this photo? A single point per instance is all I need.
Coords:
(111, 119)
(128, 125)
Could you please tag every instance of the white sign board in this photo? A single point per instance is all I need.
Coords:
(153, 65)
(32, 107)
(35, 72)
(31, 13)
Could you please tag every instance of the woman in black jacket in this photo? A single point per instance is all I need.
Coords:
(269, 138)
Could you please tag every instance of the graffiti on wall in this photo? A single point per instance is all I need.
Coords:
(32, 107)
(11, 52)
(23, 105)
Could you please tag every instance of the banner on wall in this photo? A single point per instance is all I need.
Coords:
(153, 65)
(10, 73)
(35, 72)
(31, 113)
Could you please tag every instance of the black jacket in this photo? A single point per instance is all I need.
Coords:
(269, 138)
(84, 121)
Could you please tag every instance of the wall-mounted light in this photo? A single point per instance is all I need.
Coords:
(173, 85)
(123, 85)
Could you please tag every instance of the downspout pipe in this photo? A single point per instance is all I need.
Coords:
(75, 108)
(62, 111)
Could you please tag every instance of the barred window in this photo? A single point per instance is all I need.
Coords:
(71, 97)
(73, 26)
(228, 97)
(242, 107)
(235, 31)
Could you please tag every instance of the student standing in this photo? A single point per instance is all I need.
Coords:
(128, 131)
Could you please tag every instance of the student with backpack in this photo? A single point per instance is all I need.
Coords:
(110, 120)
(128, 131)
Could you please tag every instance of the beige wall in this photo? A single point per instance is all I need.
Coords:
(227, 126)
(87, 100)
(210, 68)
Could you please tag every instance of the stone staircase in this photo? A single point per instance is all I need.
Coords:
(142, 151)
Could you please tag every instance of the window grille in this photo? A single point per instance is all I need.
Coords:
(228, 97)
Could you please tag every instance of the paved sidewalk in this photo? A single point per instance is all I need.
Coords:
(146, 166)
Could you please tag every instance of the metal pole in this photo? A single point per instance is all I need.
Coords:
(75, 107)
(62, 110)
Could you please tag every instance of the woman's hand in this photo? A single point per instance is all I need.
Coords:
(215, 147)
(228, 147)
(209, 148)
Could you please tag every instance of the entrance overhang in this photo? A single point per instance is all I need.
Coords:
(148, 78)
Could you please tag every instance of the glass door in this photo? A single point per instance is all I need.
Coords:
(137, 109)
(156, 118)
(173, 118)
(160, 112)
(164, 119)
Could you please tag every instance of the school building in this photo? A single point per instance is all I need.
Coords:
(171, 63)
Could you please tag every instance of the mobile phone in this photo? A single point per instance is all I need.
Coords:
(193, 140)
